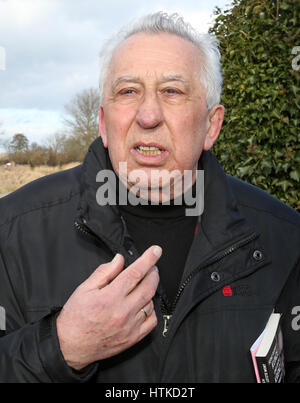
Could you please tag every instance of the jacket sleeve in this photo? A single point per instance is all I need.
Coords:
(29, 352)
(289, 305)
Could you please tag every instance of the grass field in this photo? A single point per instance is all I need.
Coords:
(13, 178)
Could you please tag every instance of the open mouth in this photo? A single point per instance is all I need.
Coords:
(149, 150)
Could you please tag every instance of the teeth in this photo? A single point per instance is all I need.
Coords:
(149, 151)
(146, 148)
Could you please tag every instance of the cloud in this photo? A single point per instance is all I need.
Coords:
(48, 56)
(52, 47)
(37, 125)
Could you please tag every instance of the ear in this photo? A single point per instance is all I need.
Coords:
(102, 127)
(215, 121)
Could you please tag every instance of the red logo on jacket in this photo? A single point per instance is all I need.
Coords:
(227, 291)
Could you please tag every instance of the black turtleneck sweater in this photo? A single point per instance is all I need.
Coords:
(168, 227)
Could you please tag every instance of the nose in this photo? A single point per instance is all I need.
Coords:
(149, 114)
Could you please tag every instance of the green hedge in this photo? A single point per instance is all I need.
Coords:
(259, 141)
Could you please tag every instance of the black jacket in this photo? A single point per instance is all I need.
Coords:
(53, 234)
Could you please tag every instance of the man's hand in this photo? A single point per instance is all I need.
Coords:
(104, 316)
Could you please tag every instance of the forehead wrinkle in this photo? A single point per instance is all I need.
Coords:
(172, 77)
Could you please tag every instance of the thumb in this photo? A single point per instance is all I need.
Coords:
(105, 273)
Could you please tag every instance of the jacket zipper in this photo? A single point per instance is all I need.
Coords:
(166, 319)
(84, 230)
(168, 313)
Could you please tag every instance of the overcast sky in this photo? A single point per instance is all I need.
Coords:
(49, 52)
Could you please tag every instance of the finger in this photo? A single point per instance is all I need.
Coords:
(147, 326)
(129, 278)
(143, 293)
(145, 312)
(104, 273)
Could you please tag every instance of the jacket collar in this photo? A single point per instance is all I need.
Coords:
(104, 221)
(221, 221)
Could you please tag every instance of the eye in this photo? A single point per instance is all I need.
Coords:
(127, 91)
(172, 91)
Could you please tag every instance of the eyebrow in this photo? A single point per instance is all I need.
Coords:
(132, 79)
(125, 79)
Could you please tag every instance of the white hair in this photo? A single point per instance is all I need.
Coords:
(160, 22)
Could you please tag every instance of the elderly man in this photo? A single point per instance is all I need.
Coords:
(143, 291)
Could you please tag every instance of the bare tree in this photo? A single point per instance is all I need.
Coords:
(81, 118)
(56, 142)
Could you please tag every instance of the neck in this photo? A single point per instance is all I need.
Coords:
(147, 208)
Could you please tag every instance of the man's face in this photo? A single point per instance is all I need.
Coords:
(154, 113)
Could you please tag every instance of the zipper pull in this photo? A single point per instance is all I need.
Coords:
(167, 319)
